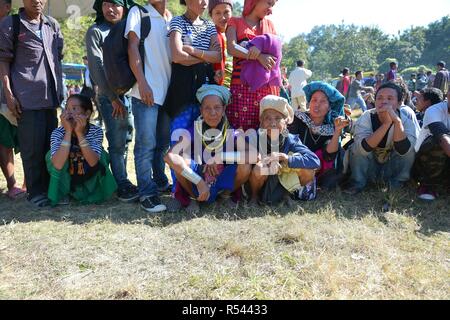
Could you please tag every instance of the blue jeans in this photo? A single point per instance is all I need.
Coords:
(148, 153)
(395, 171)
(117, 134)
(359, 101)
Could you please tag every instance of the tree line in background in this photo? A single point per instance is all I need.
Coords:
(327, 49)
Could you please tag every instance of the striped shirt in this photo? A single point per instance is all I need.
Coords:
(200, 34)
(94, 137)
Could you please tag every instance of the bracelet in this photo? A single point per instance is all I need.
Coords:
(203, 53)
(84, 143)
(65, 143)
(191, 176)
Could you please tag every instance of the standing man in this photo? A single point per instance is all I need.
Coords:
(297, 80)
(31, 72)
(148, 95)
(392, 73)
(115, 110)
(442, 78)
(354, 94)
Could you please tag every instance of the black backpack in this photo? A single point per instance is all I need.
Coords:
(118, 73)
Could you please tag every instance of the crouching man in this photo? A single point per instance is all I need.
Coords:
(384, 142)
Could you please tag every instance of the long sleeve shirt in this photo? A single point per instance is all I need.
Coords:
(364, 129)
(34, 61)
(95, 37)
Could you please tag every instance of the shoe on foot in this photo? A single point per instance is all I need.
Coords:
(128, 194)
(425, 193)
(152, 204)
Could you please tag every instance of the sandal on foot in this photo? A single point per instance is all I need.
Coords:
(39, 202)
(15, 193)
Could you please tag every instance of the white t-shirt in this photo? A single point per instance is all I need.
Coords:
(297, 80)
(436, 113)
(157, 52)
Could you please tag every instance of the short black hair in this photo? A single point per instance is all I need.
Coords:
(300, 63)
(85, 102)
(434, 95)
(393, 63)
(345, 71)
(391, 85)
(441, 64)
(358, 73)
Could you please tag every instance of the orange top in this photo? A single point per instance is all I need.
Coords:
(244, 32)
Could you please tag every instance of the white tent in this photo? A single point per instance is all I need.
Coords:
(64, 8)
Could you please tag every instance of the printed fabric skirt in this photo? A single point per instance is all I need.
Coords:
(93, 191)
(224, 182)
(243, 112)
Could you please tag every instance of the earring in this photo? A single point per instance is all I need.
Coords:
(285, 132)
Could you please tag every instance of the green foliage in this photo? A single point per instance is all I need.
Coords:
(330, 48)
(74, 47)
(418, 69)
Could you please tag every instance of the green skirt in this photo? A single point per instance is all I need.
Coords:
(8, 134)
(95, 190)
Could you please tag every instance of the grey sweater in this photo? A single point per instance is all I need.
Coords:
(94, 39)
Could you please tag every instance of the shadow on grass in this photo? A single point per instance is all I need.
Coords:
(431, 216)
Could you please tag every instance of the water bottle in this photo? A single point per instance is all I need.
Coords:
(187, 39)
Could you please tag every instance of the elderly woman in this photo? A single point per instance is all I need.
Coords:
(285, 163)
(200, 179)
(320, 128)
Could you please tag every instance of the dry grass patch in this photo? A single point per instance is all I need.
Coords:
(338, 247)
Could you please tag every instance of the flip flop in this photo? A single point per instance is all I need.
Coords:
(16, 193)
(39, 202)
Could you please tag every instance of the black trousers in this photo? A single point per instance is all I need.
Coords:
(34, 130)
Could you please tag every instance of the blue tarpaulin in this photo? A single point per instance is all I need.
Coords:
(73, 71)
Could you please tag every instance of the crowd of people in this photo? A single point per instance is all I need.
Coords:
(245, 143)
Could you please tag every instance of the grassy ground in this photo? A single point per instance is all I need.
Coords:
(338, 247)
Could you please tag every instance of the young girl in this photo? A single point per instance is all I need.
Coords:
(77, 163)
(195, 47)
(244, 109)
(220, 12)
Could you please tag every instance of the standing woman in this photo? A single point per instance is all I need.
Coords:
(195, 47)
(244, 110)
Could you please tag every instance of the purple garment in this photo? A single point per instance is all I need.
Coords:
(253, 73)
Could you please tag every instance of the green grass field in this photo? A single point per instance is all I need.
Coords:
(338, 247)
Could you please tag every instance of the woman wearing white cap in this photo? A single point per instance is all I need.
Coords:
(286, 164)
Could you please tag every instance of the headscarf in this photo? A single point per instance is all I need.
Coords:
(249, 5)
(127, 4)
(214, 90)
(335, 98)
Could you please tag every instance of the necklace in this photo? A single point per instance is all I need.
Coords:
(315, 140)
(217, 141)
